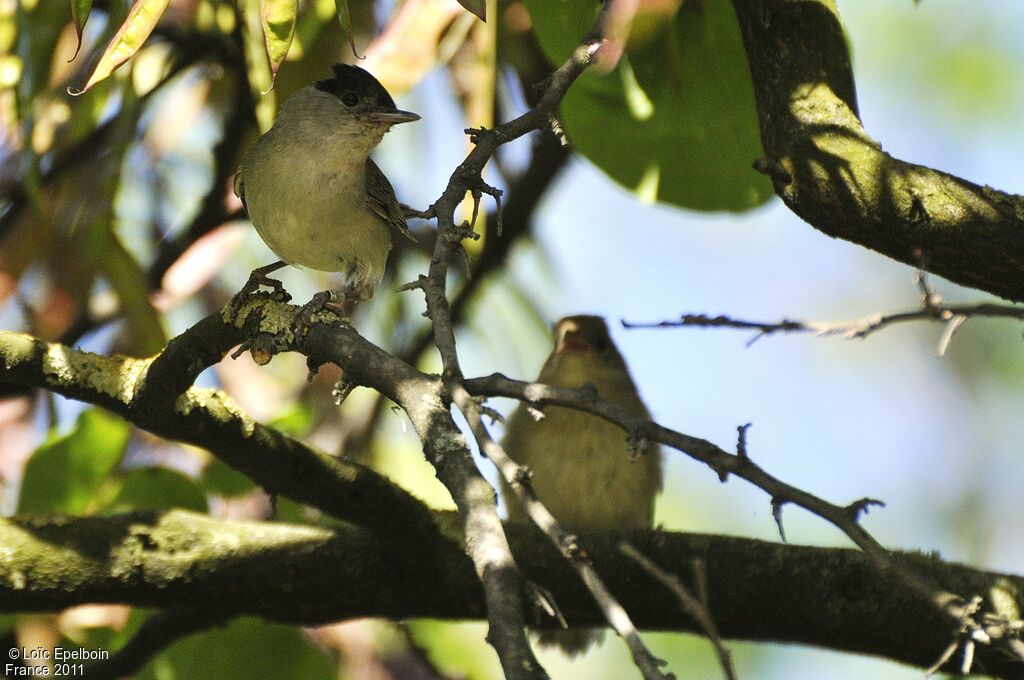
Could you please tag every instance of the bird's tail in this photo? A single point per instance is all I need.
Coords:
(572, 642)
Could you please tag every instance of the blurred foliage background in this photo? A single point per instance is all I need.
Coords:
(118, 230)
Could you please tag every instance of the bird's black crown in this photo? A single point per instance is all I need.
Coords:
(354, 86)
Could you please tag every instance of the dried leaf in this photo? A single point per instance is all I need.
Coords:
(142, 18)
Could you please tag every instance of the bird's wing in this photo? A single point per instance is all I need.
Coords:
(240, 187)
(383, 200)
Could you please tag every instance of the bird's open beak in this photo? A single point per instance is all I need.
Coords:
(572, 341)
(393, 117)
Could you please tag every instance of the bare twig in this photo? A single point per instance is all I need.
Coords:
(845, 518)
(696, 606)
(932, 309)
(519, 481)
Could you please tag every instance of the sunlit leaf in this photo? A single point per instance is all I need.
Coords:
(675, 121)
(261, 80)
(474, 76)
(141, 20)
(278, 20)
(79, 14)
(157, 488)
(65, 474)
(477, 7)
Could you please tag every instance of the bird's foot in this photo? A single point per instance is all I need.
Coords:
(258, 277)
(324, 301)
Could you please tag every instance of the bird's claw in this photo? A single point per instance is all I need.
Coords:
(320, 302)
(251, 289)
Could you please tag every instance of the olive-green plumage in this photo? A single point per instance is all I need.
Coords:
(310, 188)
(581, 464)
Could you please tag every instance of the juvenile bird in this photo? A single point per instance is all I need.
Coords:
(581, 464)
(311, 190)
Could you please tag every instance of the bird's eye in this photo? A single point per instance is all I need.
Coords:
(349, 99)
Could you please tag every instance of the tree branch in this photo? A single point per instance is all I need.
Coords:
(831, 173)
(210, 419)
(757, 590)
(932, 309)
(956, 609)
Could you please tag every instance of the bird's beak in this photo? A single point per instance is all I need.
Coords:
(393, 117)
(572, 341)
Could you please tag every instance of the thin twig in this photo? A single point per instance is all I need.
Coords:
(695, 606)
(932, 309)
(519, 481)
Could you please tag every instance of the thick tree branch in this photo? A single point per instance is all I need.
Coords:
(832, 174)
(299, 574)
(209, 419)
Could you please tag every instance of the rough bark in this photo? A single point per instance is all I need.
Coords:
(831, 173)
(827, 597)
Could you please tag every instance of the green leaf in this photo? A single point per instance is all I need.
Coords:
(79, 14)
(233, 652)
(675, 121)
(295, 421)
(456, 648)
(560, 24)
(65, 474)
(221, 479)
(129, 280)
(278, 19)
(345, 20)
(477, 7)
(141, 20)
(157, 488)
(287, 510)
